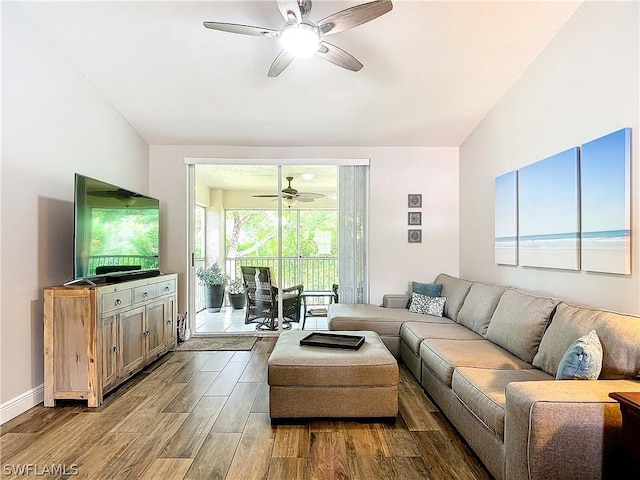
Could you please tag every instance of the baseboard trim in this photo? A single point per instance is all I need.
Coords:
(21, 403)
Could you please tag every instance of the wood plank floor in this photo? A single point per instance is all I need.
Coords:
(204, 415)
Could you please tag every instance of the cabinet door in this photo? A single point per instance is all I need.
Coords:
(132, 340)
(109, 349)
(170, 330)
(156, 318)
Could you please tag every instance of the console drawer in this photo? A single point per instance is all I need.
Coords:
(166, 287)
(141, 294)
(116, 300)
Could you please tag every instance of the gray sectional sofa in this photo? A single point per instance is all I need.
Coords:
(490, 363)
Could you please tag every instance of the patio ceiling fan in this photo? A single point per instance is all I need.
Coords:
(301, 37)
(291, 196)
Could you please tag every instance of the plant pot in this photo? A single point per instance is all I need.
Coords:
(237, 300)
(213, 297)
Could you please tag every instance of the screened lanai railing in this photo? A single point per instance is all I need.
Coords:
(314, 273)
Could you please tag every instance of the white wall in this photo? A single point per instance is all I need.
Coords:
(584, 85)
(394, 173)
(54, 123)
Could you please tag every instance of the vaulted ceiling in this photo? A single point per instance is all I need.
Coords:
(432, 70)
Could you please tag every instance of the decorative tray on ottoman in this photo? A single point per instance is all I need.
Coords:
(332, 340)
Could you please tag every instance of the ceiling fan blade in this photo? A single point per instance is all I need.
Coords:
(290, 8)
(354, 16)
(242, 29)
(309, 195)
(338, 56)
(284, 195)
(281, 62)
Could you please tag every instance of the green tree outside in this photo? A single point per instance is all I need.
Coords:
(130, 231)
(254, 234)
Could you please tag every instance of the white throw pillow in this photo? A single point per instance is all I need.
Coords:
(427, 305)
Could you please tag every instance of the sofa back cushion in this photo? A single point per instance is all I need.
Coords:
(519, 322)
(478, 307)
(455, 289)
(428, 289)
(619, 335)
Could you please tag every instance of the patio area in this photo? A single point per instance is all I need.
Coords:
(232, 322)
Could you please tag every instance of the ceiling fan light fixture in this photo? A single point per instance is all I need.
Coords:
(289, 201)
(300, 39)
(308, 176)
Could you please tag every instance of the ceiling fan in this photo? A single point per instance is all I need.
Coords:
(291, 196)
(301, 37)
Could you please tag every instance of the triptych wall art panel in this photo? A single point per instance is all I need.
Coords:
(570, 211)
(549, 223)
(506, 219)
(606, 203)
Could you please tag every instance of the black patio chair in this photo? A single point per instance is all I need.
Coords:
(262, 300)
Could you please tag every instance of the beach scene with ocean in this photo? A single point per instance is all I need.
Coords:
(553, 250)
(549, 222)
(506, 219)
(608, 251)
(606, 205)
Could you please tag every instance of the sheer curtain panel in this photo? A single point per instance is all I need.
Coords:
(353, 233)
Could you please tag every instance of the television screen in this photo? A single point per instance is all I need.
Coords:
(116, 230)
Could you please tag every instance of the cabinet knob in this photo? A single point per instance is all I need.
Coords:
(166, 289)
(169, 321)
(145, 294)
(118, 302)
(115, 349)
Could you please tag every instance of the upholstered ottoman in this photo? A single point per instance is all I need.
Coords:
(320, 382)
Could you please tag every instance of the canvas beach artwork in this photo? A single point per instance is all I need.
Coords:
(506, 219)
(605, 166)
(548, 212)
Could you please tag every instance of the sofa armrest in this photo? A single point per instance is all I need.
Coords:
(396, 300)
(556, 427)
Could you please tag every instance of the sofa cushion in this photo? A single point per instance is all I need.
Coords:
(412, 333)
(428, 289)
(442, 356)
(478, 307)
(455, 289)
(383, 321)
(582, 360)
(619, 335)
(519, 322)
(482, 391)
(427, 305)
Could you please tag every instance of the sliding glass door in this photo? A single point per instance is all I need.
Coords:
(281, 216)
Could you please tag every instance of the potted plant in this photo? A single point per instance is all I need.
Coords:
(214, 281)
(236, 294)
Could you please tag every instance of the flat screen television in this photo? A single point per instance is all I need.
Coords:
(116, 232)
